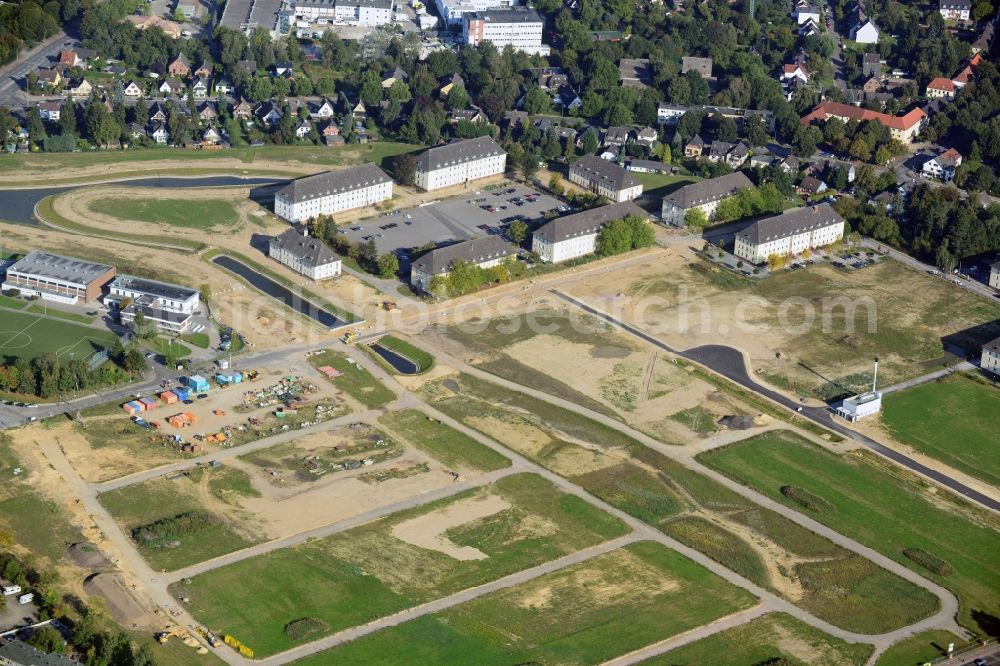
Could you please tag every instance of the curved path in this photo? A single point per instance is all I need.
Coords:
(729, 363)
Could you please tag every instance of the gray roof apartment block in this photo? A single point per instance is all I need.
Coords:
(310, 251)
(586, 222)
(333, 182)
(790, 223)
(608, 173)
(458, 152)
(707, 191)
(477, 251)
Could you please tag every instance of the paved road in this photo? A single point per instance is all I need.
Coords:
(964, 366)
(13, 74)
(730, 363)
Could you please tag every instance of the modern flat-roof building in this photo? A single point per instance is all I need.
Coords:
(304, 254)
(904, 127)
(452, 11)
(366, 13)
(459, 162)
(605, 178)
(990, 361)
(791, 232)
(485, 252)
(518, 27)
(169, 307)
(57, 278)
(245, 15)
(704, 196)
(575, 235)
(331, 192)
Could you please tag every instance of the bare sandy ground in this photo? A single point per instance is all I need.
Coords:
(427, 531)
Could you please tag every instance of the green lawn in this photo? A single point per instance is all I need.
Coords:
(12, 303)
(584, 614)
(776, 638)
(201, 340)
(162, 345)
(661, 184)
(446, 445)
(144, 503)
(354, 380)
(27, 335)
(920, 649)
(366, 572)
(953, 420)
(40, 308)
(882, 507)
(202, 214)
(833, 584)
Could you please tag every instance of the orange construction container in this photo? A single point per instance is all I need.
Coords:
(168, 397)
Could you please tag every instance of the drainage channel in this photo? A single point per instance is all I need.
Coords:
(279, 292)
(399, 362)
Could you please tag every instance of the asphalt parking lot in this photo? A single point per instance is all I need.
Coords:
(455, 219)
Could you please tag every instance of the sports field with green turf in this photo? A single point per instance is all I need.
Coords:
(953, 420)
(27, 335)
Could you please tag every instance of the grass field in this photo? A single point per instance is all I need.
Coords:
(26, 335)
(924, 647)
(832, 583)
(367, 572)
(661, 184)
(444, 444)
(200, 340)
(882, 507)
(585, 614)
(144, 503)
(205, 214)
(953, 420)
(354, 380)
(40, 308)
(776, 638)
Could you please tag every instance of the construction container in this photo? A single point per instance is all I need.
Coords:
(182, 393)
(236, 377)
(222, 379)
(148, 403)
(168, 397)
(197, 383)
(131, 408)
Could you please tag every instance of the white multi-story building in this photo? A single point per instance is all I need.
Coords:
(459, 162)
(519, 28)
(792, 232)
(485, 252)
(304, 254)
(452, 11)
(990, 361)
(169, 307)
(955, 10)
(704, 196)
(367, 13)
(575, 235)
(605, 178)
(331, 192)
(943, 166)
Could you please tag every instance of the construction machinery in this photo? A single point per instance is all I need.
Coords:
(350, 336)
(174, 631)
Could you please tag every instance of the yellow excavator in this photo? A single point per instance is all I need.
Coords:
(174, 631)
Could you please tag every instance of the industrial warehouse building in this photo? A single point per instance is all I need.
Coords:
(366, 13)
(518, 28)
(57, 278)
(331, 192)
(484, 252)
(169, 307)
(304, 254)
(460, 162)
(575, 235)
(704, 196)
(792, 232)
(605, 178)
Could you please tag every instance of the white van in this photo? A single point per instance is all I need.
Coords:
(26, 598)
(11, 589)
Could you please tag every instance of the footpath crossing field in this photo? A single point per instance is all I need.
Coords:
(27, 335)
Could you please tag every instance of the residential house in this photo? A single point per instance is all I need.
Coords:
(872, 85)
(158, 132)
(604, 178)
(811, 186)
(248, 66)
(943, 166)
(990, 359)
(473, 115)
(790, 233)
(955, 10)
(359, 111)
(207, 112)
(865, 32)
(204, 71)
(331, 192)
(115, 70)
(396, 74)
(903, 128)
(199, 89)
(448, 83)
(941, 87)
(871, 65)
(133, 90)
(268, 113)
(222, 87)
(211, 135)
(302, 129)
(282, 70)
(985, 39)
(180, 67)
(304, 254)
(635, 72)
(733, 154)
(795, 70)
(80, 88)
(157, 113)
(968, 72)
(617, 136)
(323, 110)
(701, 65)
(610, 153)
(670, 114)
(575, 235)
(695, 147)
(546, 126)
(995, 275)
(330, 134)
(804, 12)
(172, 86)
(242, 110)
(704, 196)
(459, 162)
(69, 58)
(809, 28)
(485, 252)
(647, 137)
(50, 111)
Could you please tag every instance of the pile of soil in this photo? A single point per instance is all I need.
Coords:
(736, 422)
(88, 556)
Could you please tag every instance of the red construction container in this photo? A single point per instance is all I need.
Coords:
(168, 397)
